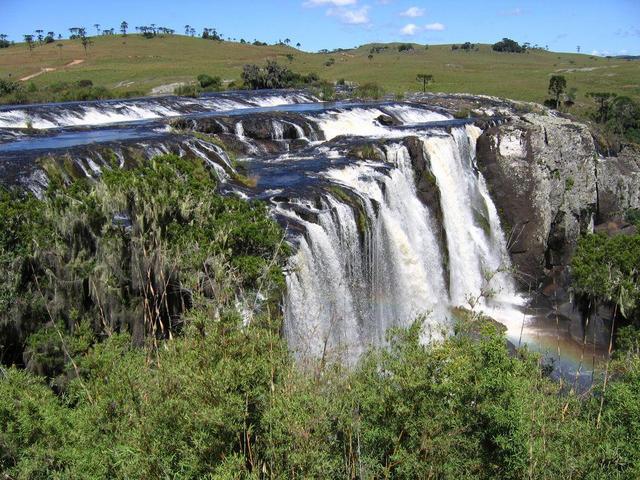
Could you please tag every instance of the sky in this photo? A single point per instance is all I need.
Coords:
(599, 27)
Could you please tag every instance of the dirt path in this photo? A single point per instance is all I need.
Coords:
(50, 69)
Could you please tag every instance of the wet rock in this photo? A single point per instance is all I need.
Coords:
(429, 193)
(387, 120)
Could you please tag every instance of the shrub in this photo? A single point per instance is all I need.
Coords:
(84, 83)
(187, 90)
(327, 91)
(209, 83)
(405, 47)
(508, 45)
(7, 87)
(274, 75)
(370, 90)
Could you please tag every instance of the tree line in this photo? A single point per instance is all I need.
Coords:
(39, 37)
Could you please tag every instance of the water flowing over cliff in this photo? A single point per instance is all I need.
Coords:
(361, 270)
(385, 203)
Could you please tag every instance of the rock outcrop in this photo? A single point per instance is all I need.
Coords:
(618, 184)
(550, 185)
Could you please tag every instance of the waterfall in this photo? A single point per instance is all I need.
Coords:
(479, 261)
(347, 287)
(352, 279)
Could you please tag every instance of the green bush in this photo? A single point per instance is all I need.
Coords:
(274, 75)
(370, 90)
(187, 91)
(209, 83)
(7, 87)
(508, 45)
(225, 400)
(176, 230)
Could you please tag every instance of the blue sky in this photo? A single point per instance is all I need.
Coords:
(598, 26)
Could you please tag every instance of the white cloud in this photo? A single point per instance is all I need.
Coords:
(335, 3)
(436, 27)
(515, 12)
(358, 16)
(409, 29)
(413, 12)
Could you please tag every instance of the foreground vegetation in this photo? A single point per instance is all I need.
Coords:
(125, 356)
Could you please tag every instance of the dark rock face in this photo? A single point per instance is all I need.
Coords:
(428, 191)
(550, 186)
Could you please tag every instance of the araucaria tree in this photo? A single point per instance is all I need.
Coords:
(603, 101)
(29, 40)
(123, 28)
(557, 86)
(425, 79)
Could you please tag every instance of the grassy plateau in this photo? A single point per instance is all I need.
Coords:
(136, 64)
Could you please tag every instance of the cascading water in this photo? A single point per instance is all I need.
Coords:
(106, 112)
(348, 286)
(351, 280)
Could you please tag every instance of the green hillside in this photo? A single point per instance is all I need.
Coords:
(134, 63)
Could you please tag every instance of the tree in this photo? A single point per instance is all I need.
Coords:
(123, 28)
(624, 117)
(97, 27)
(29, 40)
(40, 36)
(370, 57)
(287, 41)
(187, 29)
(603, 101)
(298, 45)
(86, 41)
(425, 79)
(508, 45)
(557, 86)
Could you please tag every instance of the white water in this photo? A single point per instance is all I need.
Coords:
(362, 122)
(346, 288)
(97, 113)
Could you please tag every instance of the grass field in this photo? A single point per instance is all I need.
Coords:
(134, 63)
